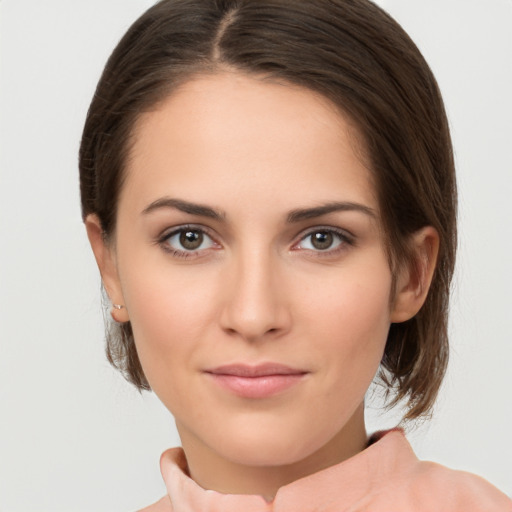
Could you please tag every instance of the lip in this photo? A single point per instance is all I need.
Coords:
(256, 381)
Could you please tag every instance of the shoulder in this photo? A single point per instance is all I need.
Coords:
(162, 505)
(407, 484)
(438, 486)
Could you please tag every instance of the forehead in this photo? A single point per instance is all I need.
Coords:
(229, 133)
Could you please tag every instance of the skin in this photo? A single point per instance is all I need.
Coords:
(257, 289)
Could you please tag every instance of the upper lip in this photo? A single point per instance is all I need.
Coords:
(260, 370)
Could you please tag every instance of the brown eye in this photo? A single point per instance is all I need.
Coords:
(322, 240)
(187, 241)
(191, 239)
(325, 240)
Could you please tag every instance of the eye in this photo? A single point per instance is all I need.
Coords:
(187, 240)
(323, 240)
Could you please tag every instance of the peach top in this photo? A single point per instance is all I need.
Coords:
(385, 477)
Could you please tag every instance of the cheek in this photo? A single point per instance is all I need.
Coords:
(353, 303)
(170, 309)
(351, 321)
(164, 297)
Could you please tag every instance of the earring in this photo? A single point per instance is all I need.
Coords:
(113, 312)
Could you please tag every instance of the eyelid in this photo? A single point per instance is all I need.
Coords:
(346, 237)
(169, 232)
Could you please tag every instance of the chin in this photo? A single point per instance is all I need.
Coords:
(265, 454)
(279, 447)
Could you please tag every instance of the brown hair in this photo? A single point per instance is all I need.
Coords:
(352, 53)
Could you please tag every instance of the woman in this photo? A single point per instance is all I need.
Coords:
(268, 188)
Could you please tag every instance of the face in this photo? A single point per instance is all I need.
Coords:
(250, 259)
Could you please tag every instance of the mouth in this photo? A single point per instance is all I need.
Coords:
(260, 381)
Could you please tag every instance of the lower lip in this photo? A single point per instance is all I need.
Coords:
(257, 387)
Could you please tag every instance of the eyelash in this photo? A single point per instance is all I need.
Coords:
(163, 241)
(345, 239)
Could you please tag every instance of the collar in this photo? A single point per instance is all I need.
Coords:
(353, 482)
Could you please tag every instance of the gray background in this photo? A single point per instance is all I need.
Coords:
(73, 435)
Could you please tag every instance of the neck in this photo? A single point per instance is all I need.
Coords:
(211, 470)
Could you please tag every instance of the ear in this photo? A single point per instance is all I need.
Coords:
(413, 280)
(106, 260)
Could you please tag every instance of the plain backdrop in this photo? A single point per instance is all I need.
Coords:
(73, 435)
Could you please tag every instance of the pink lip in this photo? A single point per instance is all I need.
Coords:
(259, 381)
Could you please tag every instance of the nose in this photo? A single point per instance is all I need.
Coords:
(255, 305)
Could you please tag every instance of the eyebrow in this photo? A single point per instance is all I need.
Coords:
(318, 211)
(184, 206)
(293, 216)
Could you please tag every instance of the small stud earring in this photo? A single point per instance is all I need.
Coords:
(113, 312)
